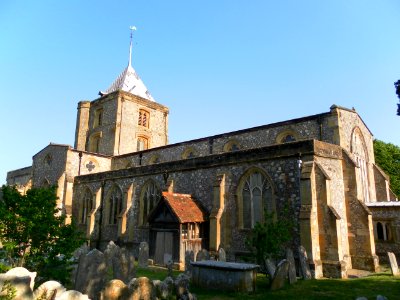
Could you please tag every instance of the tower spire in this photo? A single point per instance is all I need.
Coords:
(132, 28)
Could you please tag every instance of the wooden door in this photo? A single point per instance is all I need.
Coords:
(164, 247)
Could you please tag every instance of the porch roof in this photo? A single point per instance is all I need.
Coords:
(184, 207)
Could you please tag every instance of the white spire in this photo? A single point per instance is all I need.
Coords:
(132, 28)
(128, 80)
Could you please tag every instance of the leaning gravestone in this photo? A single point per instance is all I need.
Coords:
(304, 267)
(142, 288)
(292, 266)
(91, 274)
(143, 255)
(271, 268)
(280, 275)
(22, 272)
(114, 290)
(393, 264)
(221, 254)
(128, 258)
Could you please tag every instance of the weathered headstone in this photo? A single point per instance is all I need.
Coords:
(182, 288)
(304, 267)
(202, 255)
(189, 257)
(164, 289)
(142, 288)
(143, 255)
(170, 266)
(114, 290)
(73, 295)
(221, 254)
(280, 275)
(46, 290)
(292, 266)
(393, 264)
(92, 274)
(129, 259)
(22, 272)
(21, 284)
(270, 268)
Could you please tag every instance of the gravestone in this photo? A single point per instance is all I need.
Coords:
(143, 255)
(142, 288)
(292, 266)
(202, 255)
(280, 275)
(189, 257)
(221, 254)
(304, 267)
(129, 259)
(74, 295)
(22, 272)
(91, 274)
(46, 290)
(271, 268)
(393, 264)
(21, 284)
(114, 290)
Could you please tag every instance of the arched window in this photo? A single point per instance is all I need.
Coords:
(86, 206)
(255, 194)
(48, 159)
(144, 117)
(149, 197)
(286, 136)
(383, 232)
(45, 183)
(98, 118)
(232, 145)
(94, 144)
(189, 153)
(114, 205)
(142, 143)
(358, 149)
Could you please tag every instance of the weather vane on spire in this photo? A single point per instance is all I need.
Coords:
(132, 28)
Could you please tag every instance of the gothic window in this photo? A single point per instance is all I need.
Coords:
(232, 145)
(358, 149)
(150, 196)
(255, 197)
(98, 118)
(48, 159)
(144, 117)
(142, 143)
(189, 153)
(382, 231)
(286, 136)
(114, 205)
(86, 206)
(94, 144)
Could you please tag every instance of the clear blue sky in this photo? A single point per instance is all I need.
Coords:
(218, 65)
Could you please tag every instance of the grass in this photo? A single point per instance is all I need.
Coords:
(370, 286)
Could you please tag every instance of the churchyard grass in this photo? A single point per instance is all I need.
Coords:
(370, 287)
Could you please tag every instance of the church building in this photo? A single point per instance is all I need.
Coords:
(123, 182)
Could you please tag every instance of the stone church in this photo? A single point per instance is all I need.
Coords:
(123, 182)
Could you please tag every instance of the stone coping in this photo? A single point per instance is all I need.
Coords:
(213, 264)
(383, 203)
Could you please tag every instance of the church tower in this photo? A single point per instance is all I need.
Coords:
(124, 119)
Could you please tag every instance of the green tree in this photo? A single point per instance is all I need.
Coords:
(387, 157)
(34, 233)
(269, 238)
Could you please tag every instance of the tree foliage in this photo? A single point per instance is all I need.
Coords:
(387, 157)
(34, 233)
(269, 238)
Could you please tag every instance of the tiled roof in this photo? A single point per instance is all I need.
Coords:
(184, 207)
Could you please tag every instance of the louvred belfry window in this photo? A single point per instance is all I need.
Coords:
(143, 118)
